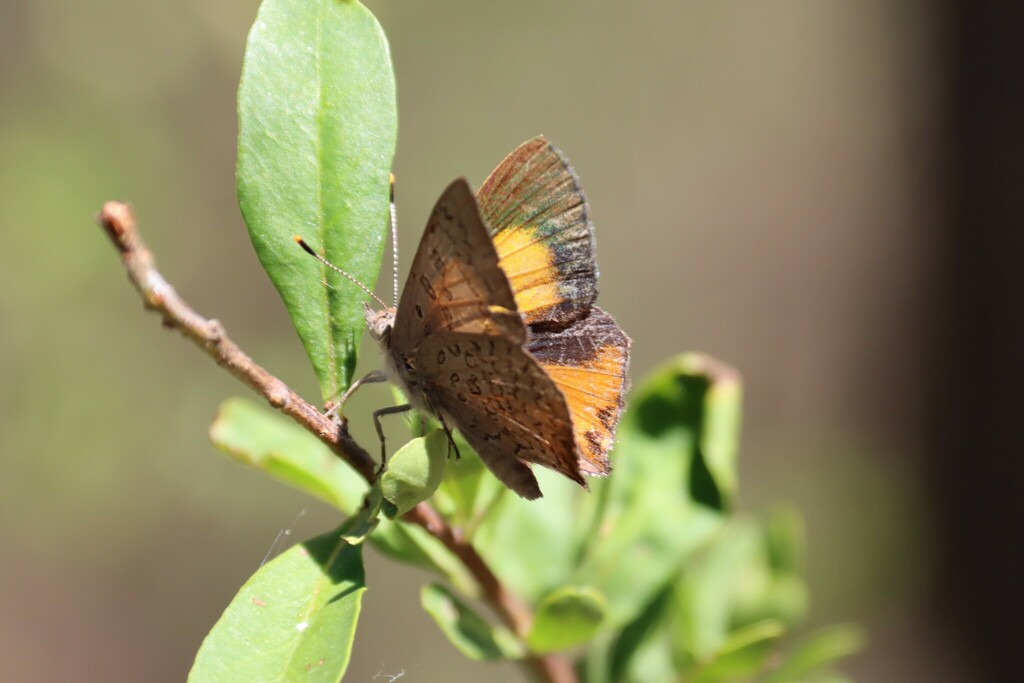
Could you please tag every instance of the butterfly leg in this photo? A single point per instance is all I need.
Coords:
(451, 439)
(369, 378)
(377, 414)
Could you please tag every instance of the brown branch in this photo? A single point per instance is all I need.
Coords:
(157, 295)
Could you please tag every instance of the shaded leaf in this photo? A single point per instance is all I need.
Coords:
(295, 619)
(663, 501)
(414, 471)
(468, 631)
(533, 545)
(708, 591)
(366, 519)
(468, 490)
(786, 540)
(316, 136)
(413, 545)
(643, 649)
(568, 617)
(817, 651)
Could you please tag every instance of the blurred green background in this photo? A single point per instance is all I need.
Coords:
(758, 175)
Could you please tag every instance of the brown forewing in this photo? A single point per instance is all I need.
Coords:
(455, 282)
(458, 326)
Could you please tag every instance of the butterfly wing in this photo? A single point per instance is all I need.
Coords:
(588, 361)
(458, 334)
(508, 409)
(541, 229)
(545, 244)
(455, 283)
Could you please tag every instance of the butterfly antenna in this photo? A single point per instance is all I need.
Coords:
(394, 237)
(309, 250)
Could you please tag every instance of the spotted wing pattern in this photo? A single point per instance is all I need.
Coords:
(505, 405)
(458, 347)
(454, 282)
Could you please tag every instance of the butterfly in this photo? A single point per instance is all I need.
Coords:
(496, 332)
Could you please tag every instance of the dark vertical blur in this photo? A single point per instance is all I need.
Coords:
(976, 454)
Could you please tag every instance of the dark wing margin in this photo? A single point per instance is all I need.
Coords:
(540, 222)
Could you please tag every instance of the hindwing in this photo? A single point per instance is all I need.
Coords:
(506, 406)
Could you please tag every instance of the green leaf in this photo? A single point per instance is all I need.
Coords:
(817, 651)
(743, 654)
(708, 590)
(785, 538)
(468, 631)
(533, 545)
(468, 491)
(568, 617)
(643, 648)
(259, 437)
(414, 471)
(411, 544)
(720, 431)
(363, 523)
(663, 501)
(295, 619)
(780, 596)
(267, 441)
(316, 135)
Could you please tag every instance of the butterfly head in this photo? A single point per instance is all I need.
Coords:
(379, 322)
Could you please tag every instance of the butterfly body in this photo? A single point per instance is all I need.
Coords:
(496, 332)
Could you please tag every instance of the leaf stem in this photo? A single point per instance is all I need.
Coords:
(118, 220)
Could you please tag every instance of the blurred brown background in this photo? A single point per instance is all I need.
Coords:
(791, 187)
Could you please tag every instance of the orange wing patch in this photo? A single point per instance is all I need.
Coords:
(593, 392)
(539, 221)
(588, 361)
(532, 272)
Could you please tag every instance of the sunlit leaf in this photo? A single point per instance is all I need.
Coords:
(270, 442)
(533, 545)
(295, 619)
(316, 136)
(257, 436)
(786, 538)
(708, 591)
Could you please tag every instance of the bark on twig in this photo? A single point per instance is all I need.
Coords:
(118, 221)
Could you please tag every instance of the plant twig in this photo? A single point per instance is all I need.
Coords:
(118, 220)
(157, 295)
